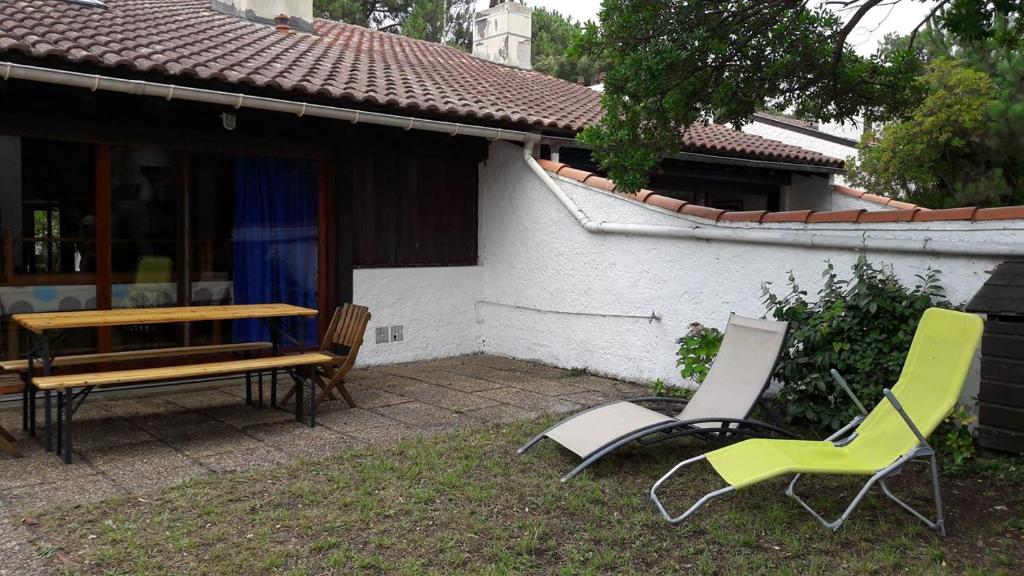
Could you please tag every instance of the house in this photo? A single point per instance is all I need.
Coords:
(200, 151)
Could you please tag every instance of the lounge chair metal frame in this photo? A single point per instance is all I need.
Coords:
(729, 428)
(923, 452)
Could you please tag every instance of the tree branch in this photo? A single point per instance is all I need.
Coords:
(934, 11)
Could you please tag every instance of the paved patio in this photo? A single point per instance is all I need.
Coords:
(135, 444)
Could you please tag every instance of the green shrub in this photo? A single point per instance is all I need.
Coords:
(862, 327)
(660, 388)
(697, 350)
(954, 442)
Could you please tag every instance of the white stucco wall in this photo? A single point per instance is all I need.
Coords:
(435, 305)
(552, 291)
(548, 290)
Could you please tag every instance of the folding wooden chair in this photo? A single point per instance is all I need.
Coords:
(342, 341)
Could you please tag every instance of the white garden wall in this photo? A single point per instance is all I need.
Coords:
(435, 306)
(547, 289)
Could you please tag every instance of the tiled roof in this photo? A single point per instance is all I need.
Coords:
(859, 216)
(187, 39)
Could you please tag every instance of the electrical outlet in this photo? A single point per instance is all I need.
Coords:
(382, 335)
(396, 334)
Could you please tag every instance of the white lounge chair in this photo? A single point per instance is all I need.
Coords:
(738, 377)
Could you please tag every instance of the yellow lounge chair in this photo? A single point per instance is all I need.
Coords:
(877, 445)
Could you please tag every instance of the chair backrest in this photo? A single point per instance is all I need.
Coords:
(929, 387)
(740, 372)
(345, 332)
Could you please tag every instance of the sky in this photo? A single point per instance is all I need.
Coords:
(901, 18)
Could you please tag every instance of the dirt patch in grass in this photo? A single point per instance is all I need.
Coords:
(465, 503)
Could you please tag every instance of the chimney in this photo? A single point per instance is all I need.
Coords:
(299, 12)
(503, 32)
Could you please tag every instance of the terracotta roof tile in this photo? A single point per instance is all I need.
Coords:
(599, 182)
(788, 216)
(747, 216)
(1001, 213)
(665, 202)
(966, 213)
(188, 39)
(834, 216)
(702, 211)
(877, 216)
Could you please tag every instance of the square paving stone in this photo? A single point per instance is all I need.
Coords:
(417, 414)
(299, 440)
(349, 419)
(79, 489)
(372, 396)
(259, 457)
(452, 378)
(549, 387)
(210, 437)
(531, 401)
(144, 467)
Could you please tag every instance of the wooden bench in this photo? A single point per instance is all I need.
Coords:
(65, 384)
(135, 355)
(21, 366)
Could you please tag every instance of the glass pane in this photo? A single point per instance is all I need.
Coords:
(144, 240)
(211, 217)
(47, 235)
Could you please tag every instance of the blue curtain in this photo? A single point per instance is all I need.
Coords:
(275, 242)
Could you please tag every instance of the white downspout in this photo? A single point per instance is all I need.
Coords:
(801, 238)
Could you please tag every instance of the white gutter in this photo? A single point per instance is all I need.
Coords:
(94, 82)
(803, 238)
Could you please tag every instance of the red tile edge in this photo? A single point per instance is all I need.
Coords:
(945, 214)
(880, 216)
(599, 182)
(902, 211)
(835, 216)
(550, 165)
(665, 202)
(702, 211)
(1000, 213)
(744, 216)
(788, 216)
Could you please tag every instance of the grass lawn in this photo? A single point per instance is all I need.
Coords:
(465, 503)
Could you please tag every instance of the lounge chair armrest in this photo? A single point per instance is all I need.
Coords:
(842, 431)
(906, 417)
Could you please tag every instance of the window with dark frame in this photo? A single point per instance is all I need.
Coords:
(414, 211)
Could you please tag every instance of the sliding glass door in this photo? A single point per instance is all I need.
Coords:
(92, 226)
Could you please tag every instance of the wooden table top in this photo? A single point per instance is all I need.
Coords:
(40, 321)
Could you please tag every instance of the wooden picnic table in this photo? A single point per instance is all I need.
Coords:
(45, 328)
(39, 322)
